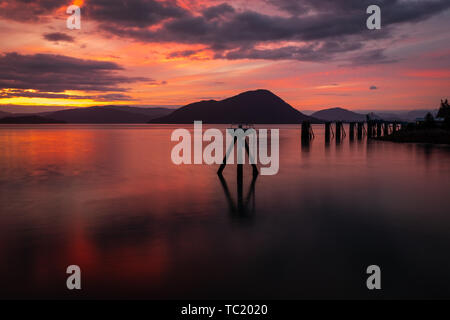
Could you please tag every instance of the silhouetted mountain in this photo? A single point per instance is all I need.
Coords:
(414, 114)
(4, 114)
(388, 117)
(256, 107)
(28, 120)
(402, 115)
(108, 114)
(339, 114)
(152, 113)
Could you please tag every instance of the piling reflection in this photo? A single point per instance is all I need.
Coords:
(245, 207)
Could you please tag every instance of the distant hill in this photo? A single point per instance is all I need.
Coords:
(413, 115)
(4, 114)
(152, 113)
(28, 120)
(387, 117)
(108, 114)
(339, 114)
(402, 115)
(253, 107)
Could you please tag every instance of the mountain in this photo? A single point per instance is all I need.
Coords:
(401, 115)
(339, 114)
(253, 107)
(413, 115)
(15, 109)
(108, 114)
(28, 120)
(4, 114)
(152, 113)
(389, 116)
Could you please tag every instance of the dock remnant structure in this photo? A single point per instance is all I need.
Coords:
(370, 126)
(328, 131)
(340, 131)
(360, 128)
(307, 132)
(375, 129)
(351, 130)
(386, 129)
(240, 167)
(379, 127)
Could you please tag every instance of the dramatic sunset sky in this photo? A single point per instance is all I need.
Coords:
(312, 53)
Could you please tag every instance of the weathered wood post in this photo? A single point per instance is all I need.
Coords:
(240, 168)
(352, 130)
(394, 127)
(386, 129)
(306, 132)
(378, 129)
(327, 131)
(369, 129)
(360, 130)
(338, 131)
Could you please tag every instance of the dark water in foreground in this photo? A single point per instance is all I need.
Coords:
(109, 199)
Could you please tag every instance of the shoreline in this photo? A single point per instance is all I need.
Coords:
(432, 135)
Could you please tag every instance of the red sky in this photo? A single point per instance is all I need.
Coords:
(313, 54)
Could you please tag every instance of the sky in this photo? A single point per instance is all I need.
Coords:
(314, 54)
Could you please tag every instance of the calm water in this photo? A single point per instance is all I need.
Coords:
(109, 199)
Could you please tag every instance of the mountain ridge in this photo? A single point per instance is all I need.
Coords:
(254, 107)
(107, 115)
(338, 114)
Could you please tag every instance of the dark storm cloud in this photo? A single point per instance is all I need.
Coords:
(58, 36)
(371, 57)
(217, 11)
(393, 11)
(56, 73)
(133, 13)
(182, 54)
(236, 34)
(329, 19)
(311, 52)
(231, 32)
(30, 10)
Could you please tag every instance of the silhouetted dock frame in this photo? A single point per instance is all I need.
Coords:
(243, 205)
(240, 167)
(375, 129)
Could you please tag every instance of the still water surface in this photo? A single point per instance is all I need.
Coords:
(109, 199)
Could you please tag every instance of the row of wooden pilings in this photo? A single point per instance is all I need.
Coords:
(374, 129)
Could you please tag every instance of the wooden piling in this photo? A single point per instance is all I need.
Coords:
(240, 167)
(360, 130)
(338, 131)
(369, 129)
(378, 129)
(386, 129)
(306, 132)
(352, 130)
(327, 131)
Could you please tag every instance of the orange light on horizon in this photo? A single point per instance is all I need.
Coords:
(32, 101)
(78, 3)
